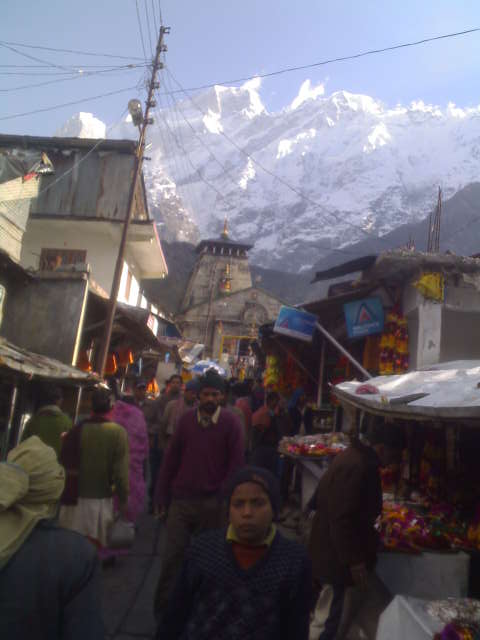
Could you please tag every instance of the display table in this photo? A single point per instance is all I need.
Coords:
(407, 618)
(311, 469)
(427, 575)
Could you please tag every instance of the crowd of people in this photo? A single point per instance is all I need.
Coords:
(208, 452)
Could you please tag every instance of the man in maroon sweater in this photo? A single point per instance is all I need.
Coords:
(205, 450)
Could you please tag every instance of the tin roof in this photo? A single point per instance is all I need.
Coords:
(90, 177)
(25, 142)
(17, 361)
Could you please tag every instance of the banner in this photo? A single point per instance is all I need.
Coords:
(295, 323)
(364, 317)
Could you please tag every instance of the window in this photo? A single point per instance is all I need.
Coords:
(52, 259)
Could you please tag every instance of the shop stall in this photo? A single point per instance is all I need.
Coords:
(428, 423)
(312, 456)
(21, 372)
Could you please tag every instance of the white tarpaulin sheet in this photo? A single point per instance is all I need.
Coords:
(407, 618)
(447, 390)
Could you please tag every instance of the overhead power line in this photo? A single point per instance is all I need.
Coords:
(34, 58)
(147, 19)
(141, 30)
(322, 63)
(68, 104)
(83, 53)
(74, 76)
(72, 66)
(155, 24)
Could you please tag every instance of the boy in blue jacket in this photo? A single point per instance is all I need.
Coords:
(246, 583)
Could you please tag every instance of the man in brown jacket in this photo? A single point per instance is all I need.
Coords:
(343, 541)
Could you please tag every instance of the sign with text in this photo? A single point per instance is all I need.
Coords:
(295, 323)
(364, 317)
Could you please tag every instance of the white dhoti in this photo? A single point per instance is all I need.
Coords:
(91, 517)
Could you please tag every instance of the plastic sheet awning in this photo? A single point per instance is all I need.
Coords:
(446, 391)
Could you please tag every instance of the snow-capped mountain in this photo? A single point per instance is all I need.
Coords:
(322, 173)
(82, 125)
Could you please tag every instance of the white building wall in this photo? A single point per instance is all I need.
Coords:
(101, 248)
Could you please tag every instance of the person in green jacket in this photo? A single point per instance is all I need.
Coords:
(95, 455)
(49, 422)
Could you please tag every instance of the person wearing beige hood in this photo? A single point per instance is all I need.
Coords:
(49, 577)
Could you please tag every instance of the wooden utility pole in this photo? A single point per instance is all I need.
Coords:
(434, 226)
(137, 170)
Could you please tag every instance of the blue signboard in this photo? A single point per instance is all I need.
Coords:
(295, 323)
(364, 317)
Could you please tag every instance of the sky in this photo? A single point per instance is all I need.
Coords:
(218, 40)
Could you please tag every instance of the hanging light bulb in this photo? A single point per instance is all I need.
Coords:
(135, 110)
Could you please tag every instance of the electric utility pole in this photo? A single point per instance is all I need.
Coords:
(135, 109)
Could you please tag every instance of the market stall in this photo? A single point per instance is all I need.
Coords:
(21, 371)
(428, 421)
(311, 456)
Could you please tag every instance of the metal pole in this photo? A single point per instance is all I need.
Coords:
(321, 373)
(343, 350)
(77, 404)
(295, 359)
(11, 415)
(107, 334)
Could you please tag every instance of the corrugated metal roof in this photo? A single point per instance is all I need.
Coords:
(25, 142)
(85, 182)
(14, 361)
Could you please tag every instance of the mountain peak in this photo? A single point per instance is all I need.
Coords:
(307, 92)
(312, 177)
(82, 125)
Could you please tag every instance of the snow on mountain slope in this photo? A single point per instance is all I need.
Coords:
(82, 125)
(357, 167)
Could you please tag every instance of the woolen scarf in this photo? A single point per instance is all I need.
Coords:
(31, 484)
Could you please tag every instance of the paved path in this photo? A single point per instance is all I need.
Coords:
(128, 587)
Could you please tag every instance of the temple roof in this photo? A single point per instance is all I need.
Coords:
(223, 240)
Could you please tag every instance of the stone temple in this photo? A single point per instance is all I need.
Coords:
(222, 309)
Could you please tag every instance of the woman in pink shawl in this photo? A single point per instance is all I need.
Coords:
(131, 418)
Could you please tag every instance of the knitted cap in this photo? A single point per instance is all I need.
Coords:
(266, 480)
(192, 385)
(211, 379)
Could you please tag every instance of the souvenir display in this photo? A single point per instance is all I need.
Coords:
(320, 445)
(451, 609)
(459, 630)
(394, 346)
(440, 527)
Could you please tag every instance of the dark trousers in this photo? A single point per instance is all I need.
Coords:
(185, 519)
(155, 460)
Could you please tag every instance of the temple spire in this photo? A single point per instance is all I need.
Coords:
(224, 233)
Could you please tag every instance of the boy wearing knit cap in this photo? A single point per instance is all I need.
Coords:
(246, 583)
